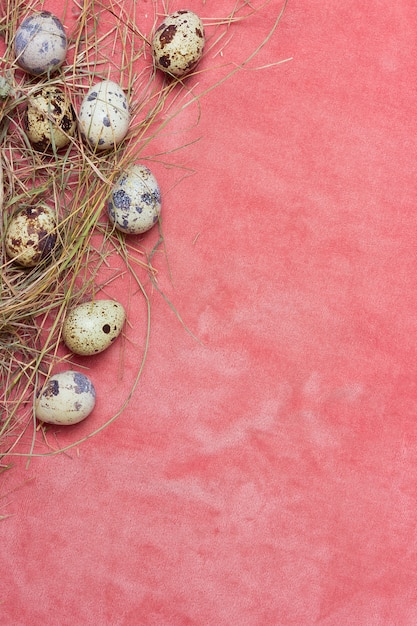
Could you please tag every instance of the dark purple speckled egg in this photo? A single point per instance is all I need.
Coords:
(135, 202)
(104, 115)
(66, 398)
(40, 43)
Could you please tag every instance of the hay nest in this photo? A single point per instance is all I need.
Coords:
(76, 183)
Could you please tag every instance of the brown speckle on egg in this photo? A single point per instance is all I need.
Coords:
(167, 35)
(165, 61)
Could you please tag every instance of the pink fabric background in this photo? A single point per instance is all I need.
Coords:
(266, 475)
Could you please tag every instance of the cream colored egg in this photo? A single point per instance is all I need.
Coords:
(104, 115)
(92, 327)
(135, 202)
(66, 398)
(50, 119)
(31, 235)
(177, 44)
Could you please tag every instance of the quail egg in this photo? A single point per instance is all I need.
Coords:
(177, 44)
(104, 115)
(66, 398)
(50, 119)
(31, 235)
(135, 202)
(92, 327)
(40, 43)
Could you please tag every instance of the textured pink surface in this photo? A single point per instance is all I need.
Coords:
(266, 474)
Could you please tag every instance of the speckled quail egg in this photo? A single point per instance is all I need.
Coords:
(92, 327)
(177, 44)
(135, 202)
(104, 115)
(66, 398)
(31, 235)
(50, 119)
(40, 43)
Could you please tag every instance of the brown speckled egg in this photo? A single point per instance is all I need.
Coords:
(50, 119)
(177, 44)
(31, 235)
(91, 327)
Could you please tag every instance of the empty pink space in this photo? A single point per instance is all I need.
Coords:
(264, 471)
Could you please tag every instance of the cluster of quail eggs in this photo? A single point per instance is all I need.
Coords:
(134, 204)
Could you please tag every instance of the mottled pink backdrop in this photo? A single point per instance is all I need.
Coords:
(265, 470)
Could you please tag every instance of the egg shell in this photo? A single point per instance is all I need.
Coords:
(66, 398)
(104, 115)
(92, 327)
(135, 202)
(31, 235)
(177, 44)
(40, 43)
(50, 119)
